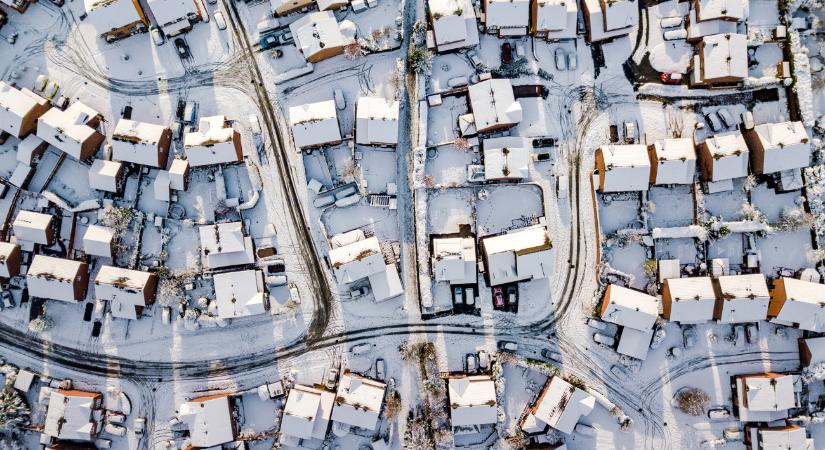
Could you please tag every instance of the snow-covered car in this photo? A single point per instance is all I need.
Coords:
(103, 443)
(340, 101)
(658, 337)
(51, 90)
(713, 122)
(752, 333)
(276, 280)
(157, 37)
(140, 425)
(619, 371)
(360, 349)
(597, 324)
(483, 359)
(726, 117)
(585, 430)
(561, 186)
(40, 83)
(332, 378)
(220, 21)
(268, 25)
(474, 59)
(470, 296)
(509, 346)
(380, 369)
(285, 38)
(470, 365)
(8, 301)
(674, 35)
(720, 413)
(115, 418)
(689, 338)
(561, 59)
(670, 22)
(551, 355)
(273, 266)
(604, 339)
(630, 131)
(360, 291)
(114, 430)
(512, 295)
(572, 61)
(747, 120)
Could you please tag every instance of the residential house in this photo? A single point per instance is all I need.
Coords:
(19, 110)
(179, 174)
(240, 294)
(318, 36)
(210, 421)
(560, 406)
(29, 148)
(472, 401)
(10, 258)
(609, 19)
(742, 298)
(454, 260)
(314, 124)
(723, 157)
(363, 259)
(376, 121)
(765, 397)
(728, 10)
(798, 303)
(57, 278)
(783, 437)
(105, 175)
(554, 20)
(127, 291)
(673, 161)
(73, 416)
(507, 158)
(811, 351)
(358, 401)
(306, 415)
(776, 147)
(453, 24)
(72, 131)
(33, 227)
(215, 142)
(116, 19)
(176, 16)
(18, 5)
(518, 255)
(507, 17)
(282, 8)
(493, 107)
(225, 245)
(623, 168)
(720, 59)
(141, 143)
(99, 241)
(688, 300)
(636, 313)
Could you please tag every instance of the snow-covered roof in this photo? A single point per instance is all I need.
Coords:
(33, 227)
(376, 121)
(126, 290)
(54, 278)
(177, 173)
(507, 158)
(788, 437)
(494, 105)
(518, 255)
(785, 144)
(556, 17)
(357, 260)
(692, 300)
(720, 9)
(225, 245)
(675, 161)
(71, 415)
(170, 11)
(629, 308)
(454, 260)
(744, 298)
(19, 109)
(724, 57)
(69, 130)
(97, 241)
(507, 14)
(618, 14)
(140, 143)
(215, 142)
(561, 405)
(802, 303)
(307, 413)
(816, 346)
(769, 392)
(108, 15)
(316, 32)
(103, 175)
(634, 343)
(608, 20)
(240, 294)
(314, 124)
(729, 154)
(472, 400)
(626, 167)
(697, 29)
(30, 146)
(358, 401)
(9, 259)
(450, 30)
(386, 284)
(209, 420)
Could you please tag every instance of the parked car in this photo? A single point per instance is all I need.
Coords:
(509, 346)
(562, 186)
(752, 333)
(498, 297)
(157, 37)
(671, 78)
(483, 359)
(276, 280)
(713, 122)
(220, 21)
(360, 291)
(658, 337)
(360, 349)
(380, 369)
(470, 363)
(544, 142)
(600, 325)
(670, 22)
(475, 60)
(551, 355)
(512, 295)
(689, 338)
(51, 90)
(40, 83)
(604, 339)
(572, 61)
(619, 371)
(458, 295)
(340, 100)
(115, 430)
(506, 53)
(561, 59)
(720, 413)
(183, 49)
(675, 35)
(285, 38)
(115, 418)
(273, 266)
(726, 117)
(747, 120)
(265, 26)
(630, 131)
(470, 296)
(332, 378)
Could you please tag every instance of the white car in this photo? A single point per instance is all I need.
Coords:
(726, 117)
(157, 38)
(670, 22)
(572, 62)
(674, 35)
(360, 349)
(604, 339)
(220, 21)
(561, 59)
(114, 430)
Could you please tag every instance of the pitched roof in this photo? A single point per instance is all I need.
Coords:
(107, 15)
(240, 294)
(724, 55)
(209, 421)
(70, 415)
(358, 401)
(314, 124)
(630, 308)
(804, 304)
(15, 104)
(137, 142)
(627, 168)
(675, 161)
(519, 254)
(357, 260)
(376, 121)
(507, 157)
(786, 146)
(472, 400)
(693, 299)
(315, 32)
(307, 412)
(493, 104)
(507, 13)
(561, 405)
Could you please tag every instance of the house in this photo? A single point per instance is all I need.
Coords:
(518, 255)
(811, 351)
(454, 260)
(127, 291)
(176, 16)
(10, 258)
(209, 419)
(723, 157)
(282, 8)
(728, 10)
(72, 131)
(765, 397)
(116, 19)
(742, 298)
(19, 110)
(240, 294)
(493, 106)
(453, 24)
(314, 124)
(29, 148)
(507, 17)
(318, 36)
(361, 259)
(106, 175)
(215, 142)
(178, 174)
(688, 300)
(609, 19)
(74, 416)
(673, 161)
(472, 400)
(141, 143)
(306, 414)
(798, 303)
(358, 401)
(225, 245)
(560, 406)
(787, 437)
(507, 158)
(376, 121)
(623, 168)
(698, 29)
(18, 5)
(99, 241)
(636, 313)
(720, 58)
(57, 278)
(34, 228)
(775, 147)
(554, 20)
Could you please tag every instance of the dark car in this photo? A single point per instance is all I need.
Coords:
(506, 53)
(183, 49)
(512, 294)
(498, 297)
(87, 313)
(126, 112)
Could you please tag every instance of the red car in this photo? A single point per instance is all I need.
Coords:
(672, 78)
(498, 297)
(506, 53)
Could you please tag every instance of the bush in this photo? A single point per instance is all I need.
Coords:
(420, 60)
(692, 401)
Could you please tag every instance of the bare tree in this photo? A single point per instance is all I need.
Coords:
(692, 401)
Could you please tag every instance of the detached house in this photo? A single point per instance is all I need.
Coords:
(609, 19)
(720, 58)
(623, 168)
(493, 107)
(314, 124)
(99, 241)
(673, 161)
(554, 20)
(240, 294)
(306, 414)
(10, 258)
(361, 259)
(636, 313)
(282, 8)
(507, 158)
(176, 16)
(507, 17)
(225, 245)
(454, 260)
(358, 402)
(141, 143)
(215, 142)
(798, 303)
(127, 291)
(453, 24)
(560, 406)
(742, 298)
(57, 278)
(775, 147)
(209, 420)
(376, 121)
(34, 228)
(19, 110)
(73, 416)
(707, 17)
(783, 437)
(518, 255)
(765, 397)
(723, 157)
(318, 36)
(472, 401)
(72, 131)
(116, 19)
